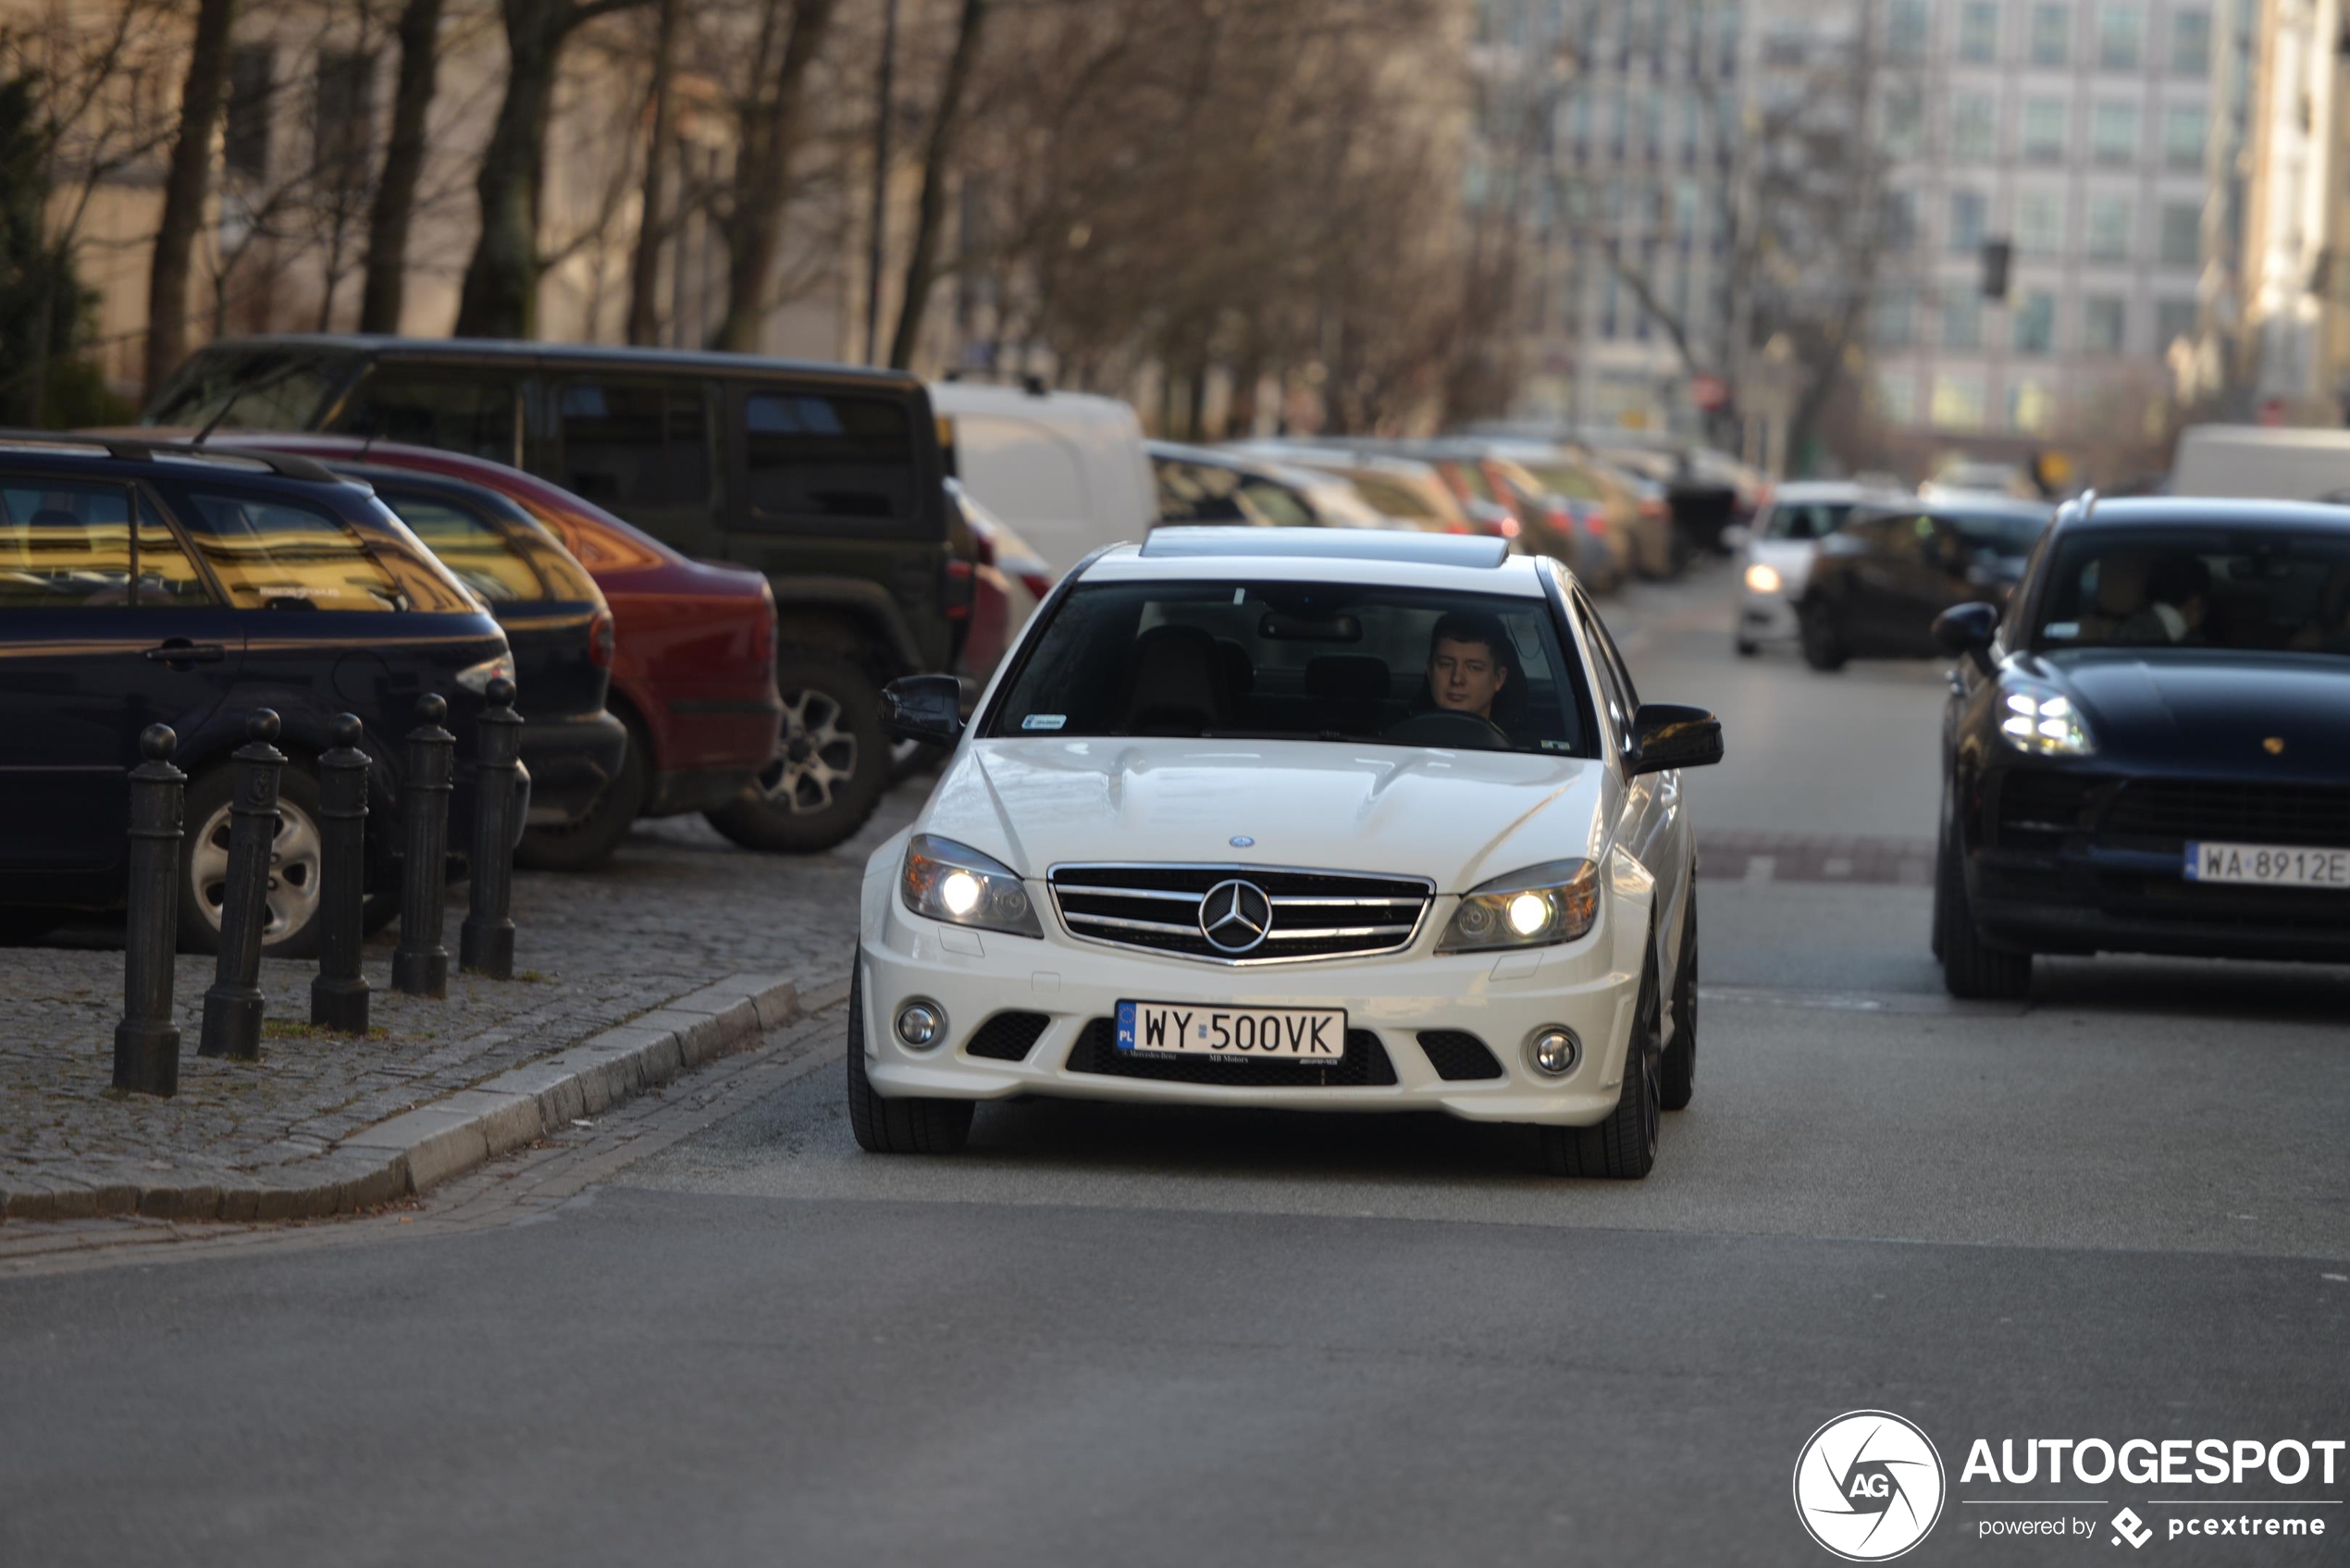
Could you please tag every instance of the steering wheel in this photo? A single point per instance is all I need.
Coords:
(1450, 728)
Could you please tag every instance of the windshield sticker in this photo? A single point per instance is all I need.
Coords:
(1239, 595)
(1043, 722)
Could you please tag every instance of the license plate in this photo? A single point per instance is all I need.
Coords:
(2268, 865)
(1187, 1028)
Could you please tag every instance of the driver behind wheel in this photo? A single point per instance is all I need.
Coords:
(1466, 664)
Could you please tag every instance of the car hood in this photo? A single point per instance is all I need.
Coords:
(1455, 817)
(2211, 711)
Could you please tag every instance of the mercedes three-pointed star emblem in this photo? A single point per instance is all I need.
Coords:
(1235, 916)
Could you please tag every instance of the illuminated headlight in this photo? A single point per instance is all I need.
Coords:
(2043, 722)
(476, 678)
(1763, 578)
(1534, 908)
(950, 882)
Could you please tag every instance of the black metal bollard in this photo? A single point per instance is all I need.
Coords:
(486, 943)
(146, 1042)
(233, 1007)
(420, 967)
(339, 993)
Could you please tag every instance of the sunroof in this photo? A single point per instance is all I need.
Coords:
(1326, 544)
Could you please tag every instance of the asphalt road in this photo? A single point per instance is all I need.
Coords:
(1131, 1336)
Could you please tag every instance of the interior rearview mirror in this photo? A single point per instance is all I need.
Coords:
(924, 708)
(1673, 734)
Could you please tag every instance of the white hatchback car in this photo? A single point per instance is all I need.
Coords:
(1782, 545)
(1311, 818)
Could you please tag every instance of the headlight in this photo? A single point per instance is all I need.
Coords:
(1763, 578)
(476, 678)
(946, 880)
(1534, 908)
(2043, 722)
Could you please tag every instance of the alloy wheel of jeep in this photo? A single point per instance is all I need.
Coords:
(294, 858)
(819, 753)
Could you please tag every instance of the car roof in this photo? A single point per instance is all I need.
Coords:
(1463, 564)
(1838, 490)
(709, 361)
(2151, 511)
(388, 476)
(126, 455)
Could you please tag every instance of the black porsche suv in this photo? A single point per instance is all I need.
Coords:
(2150, 750)
(830, 479)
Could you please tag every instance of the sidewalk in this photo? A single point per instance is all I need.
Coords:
(685, 949)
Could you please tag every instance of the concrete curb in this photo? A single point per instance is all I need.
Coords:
(420, 1148)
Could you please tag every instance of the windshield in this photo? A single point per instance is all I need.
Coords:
(1805, 519)
(1301, 661)
(2257, 589)
(239, 389)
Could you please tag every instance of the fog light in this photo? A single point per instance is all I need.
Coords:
(920, 1024)
(1554, 1050)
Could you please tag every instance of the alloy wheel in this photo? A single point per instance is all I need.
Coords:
(818, 754)
(294, 858)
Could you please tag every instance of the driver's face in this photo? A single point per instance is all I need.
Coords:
(1465, 677)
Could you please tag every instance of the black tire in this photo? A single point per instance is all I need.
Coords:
(1622, 1148)
(290, 929)
(1970, 969)
(379, 910)
(589, 843)
(22, 928)
(1677, 1065)
(834, 764)
(1824, 645)
(885, 1125)
(1746, 649)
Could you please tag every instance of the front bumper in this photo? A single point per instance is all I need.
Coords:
(572, 761)
(2112, 900)
(1590, 985)
(1766, 618)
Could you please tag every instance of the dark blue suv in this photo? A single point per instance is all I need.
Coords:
(244, 582)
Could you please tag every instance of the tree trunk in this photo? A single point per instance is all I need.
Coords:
(644, 266)
(755, 228)
(380, 305)
(922, 261)
(186, 188)
(501, 294)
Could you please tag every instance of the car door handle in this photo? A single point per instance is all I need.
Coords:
(179, 650)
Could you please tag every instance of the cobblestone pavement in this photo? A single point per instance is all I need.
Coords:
(677, 909)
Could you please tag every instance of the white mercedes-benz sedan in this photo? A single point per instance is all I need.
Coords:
(1310, 818)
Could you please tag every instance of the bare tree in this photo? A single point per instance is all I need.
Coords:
(644, 269)
(186, 188)
(921, 258)
(395, 200)
(791, 34)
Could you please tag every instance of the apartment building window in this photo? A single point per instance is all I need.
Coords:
(2109, 227)
(2030, 406)
(1897, 221)
(1905, 30)
(2190, 41)
(2120, 27)
(2035, 322)
(246, 141)
(2186, 128)
(1897, 397)
(346, 115)
(2044, 130)
(1895, 319)
(2051, 39)
(2174, 319)
(2039, 223)
(1979, 32)
(2182, 242)
(2114, 133)
(1973, 129)
(1957, 400)
(1961, 315)
(2102, 317)
(1904, 123)
(1969, 210)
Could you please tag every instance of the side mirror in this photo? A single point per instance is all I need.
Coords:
(924, 708)
(1737, 536)
(1672, 734)
(1966, 631)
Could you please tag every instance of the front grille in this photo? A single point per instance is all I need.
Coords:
(1458, 1056)
(1364, 1065)
(2176, 810)
(2040, 808)
(1006, 1037)
(1315, 914)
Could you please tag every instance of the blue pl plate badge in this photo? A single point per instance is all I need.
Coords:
(1043, 721)
(1126, 1026)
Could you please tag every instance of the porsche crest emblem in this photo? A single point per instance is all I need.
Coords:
(2273, 746)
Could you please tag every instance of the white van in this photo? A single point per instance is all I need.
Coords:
(1066, 470)
(2261, 463)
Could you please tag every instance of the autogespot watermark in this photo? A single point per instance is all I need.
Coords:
(1869, 1486)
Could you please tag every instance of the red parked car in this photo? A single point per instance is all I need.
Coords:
(693, 674)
